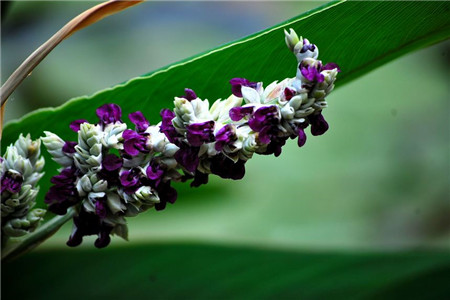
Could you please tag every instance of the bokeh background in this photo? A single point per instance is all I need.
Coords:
(377, 180)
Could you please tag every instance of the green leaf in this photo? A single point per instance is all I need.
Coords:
(196, 271)
(359, 36)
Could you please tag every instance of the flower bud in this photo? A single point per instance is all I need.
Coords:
(54, 145)
(291, 39)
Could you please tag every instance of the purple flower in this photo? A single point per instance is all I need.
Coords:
(275, 145)
(238, 83)
(112, 162)
(111, 165)
(189, 95)
(200, 133)
(307, 46)
(288, 93)
(239, 112)
(109, 114)
(69, 147)
(331, 66)
(131, 180)
(155, 173)
(318, 124)
(166, 125)
(89, 224)
(75, 125)
(199, 179)
(134, 143)
(265, 120)
(63, 193)
(166, 194)
(139, 120)
(11, 182)
(301, 137)
(311, 73)
(226, 168)
(225, 136)
(100, 208)
(187, 157)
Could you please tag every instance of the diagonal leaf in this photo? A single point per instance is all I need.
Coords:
(196, 271)
(359, 36)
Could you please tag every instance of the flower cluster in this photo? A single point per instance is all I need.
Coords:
(20, 170)
(113, 172)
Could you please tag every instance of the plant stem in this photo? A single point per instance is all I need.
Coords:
(16, 247)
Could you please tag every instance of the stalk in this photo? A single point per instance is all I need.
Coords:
(19, 246)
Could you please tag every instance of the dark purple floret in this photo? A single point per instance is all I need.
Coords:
(63, 194)
(189, 95)
(131, 180)
(275, 146)
(225, 136)
(264, 116)
(265, 121)
(311, 73)
(301, 137)
(307, 46)
(199, 179)
(75, 125)
(239, 112)
(238, 83)
(288, 93)
(112, 162)
(134, 143)
(200, 133)
(100, 208)
(109, 114)
(139, 120)
(69, 147)
(104, 238)
(11, 182)
(318, 124)
(226, 168)
(187, 157)
(89, 224)
(166, 125)
(155, 173)
(111, 165)
(166, 194)
(331, 66)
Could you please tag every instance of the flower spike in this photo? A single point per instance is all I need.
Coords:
(113, 172)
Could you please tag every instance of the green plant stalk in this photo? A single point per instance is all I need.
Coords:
(17, 247)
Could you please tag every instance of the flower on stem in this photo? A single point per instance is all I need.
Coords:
(113, 172)
(20, 170)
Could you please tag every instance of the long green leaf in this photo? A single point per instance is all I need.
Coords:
(359, 36)
(195, 271)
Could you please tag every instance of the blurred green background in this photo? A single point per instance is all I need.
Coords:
(378, 180)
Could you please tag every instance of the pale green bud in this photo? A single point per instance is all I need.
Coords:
(114, 203)
(112, 135)
(291, 39)
(301, 113)
(251, 95)
(28, 148)
(88, 154)
(21, 226)
(54, 145)
(287, 112)
(147, 196)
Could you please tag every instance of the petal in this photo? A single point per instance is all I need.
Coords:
(139, 120)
